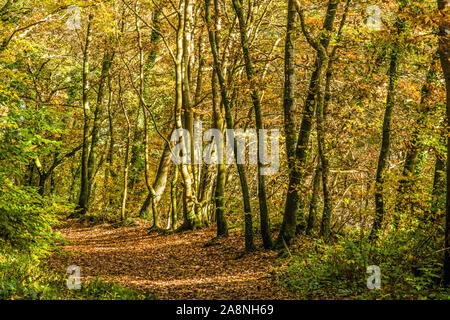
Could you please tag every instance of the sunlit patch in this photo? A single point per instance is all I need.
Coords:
(174, 266)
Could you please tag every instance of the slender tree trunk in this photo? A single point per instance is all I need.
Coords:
(173, 196)
(289, 221)
(323, 156)
(84, 186)
(314, 200)
(218, 112)
(264, 214)
(386, 137)
(290, 83)
(110, 156)
(222, 228)
(145, 68)
(187, 52)
(98, 113)
(191, 220)
(159, 185)
(292, 210)
(156, 190)
(204, 174)
(126, 165)
(321, 113)
(197, 168)
(249, 241)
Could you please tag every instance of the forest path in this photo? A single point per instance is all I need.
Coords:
(173, 266)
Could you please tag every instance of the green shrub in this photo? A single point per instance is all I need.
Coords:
(26, 219)
(101, 290)
(26, 237)
(410, 264)
(23, 277)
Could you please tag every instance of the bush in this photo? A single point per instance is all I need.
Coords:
(23, 277)
(26, 237)
(410, 264)
(26, 219)
(101, 290)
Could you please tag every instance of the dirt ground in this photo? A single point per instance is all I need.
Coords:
(171, 266)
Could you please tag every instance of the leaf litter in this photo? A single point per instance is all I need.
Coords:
(171, 266)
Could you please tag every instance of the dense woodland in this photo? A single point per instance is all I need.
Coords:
(91, 92)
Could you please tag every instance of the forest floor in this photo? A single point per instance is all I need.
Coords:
(170, 266)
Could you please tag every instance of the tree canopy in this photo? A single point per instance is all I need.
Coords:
(94, 93)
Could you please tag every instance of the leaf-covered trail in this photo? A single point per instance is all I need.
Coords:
(174, 266)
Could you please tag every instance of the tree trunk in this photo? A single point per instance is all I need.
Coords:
(222, 228)
(323, 156)
(290, 83)
(140, 137)
(191, 221)
(264, 214)
(158, 187)
(187, 51)
(249, 242)
(321, 113)
(110, 155)
(156, 190)
(314, 200)
(173, 196)
(126, 165)
(98, 113)
(84, 186)
(292, 210)
(386, 137)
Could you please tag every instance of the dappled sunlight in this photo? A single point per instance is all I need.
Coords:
(173, 266)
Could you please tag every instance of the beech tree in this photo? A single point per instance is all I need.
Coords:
(100, 100)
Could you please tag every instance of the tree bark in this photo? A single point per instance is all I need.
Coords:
(289, 106)
(191, 221)
(126, 161)
(84, 186)
(145, 68)
(158, 187)
(314, 200)
(292, 210)
(110, 156)
(173, 196)
(249, 241)
(219, 197)
(386, 134)
(321, 114)
(264, 214)
(98, 113)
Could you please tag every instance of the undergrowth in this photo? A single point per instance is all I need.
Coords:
(23, 276)
(410, 263)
